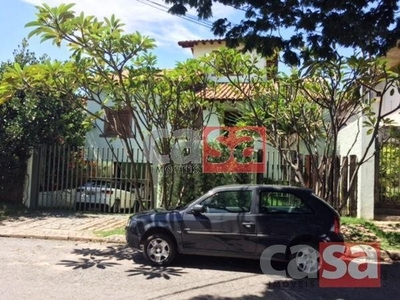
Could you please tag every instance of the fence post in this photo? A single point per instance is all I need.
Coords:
(260, 158)
(344, 184)
(307, 172)
(31, 185)
(353, 190)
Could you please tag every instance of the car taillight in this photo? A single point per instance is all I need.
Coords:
(107, 192)
(336, 224)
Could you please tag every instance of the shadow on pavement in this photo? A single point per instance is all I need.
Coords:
(156, 272)
(105, 257)
(218, 263)
(289, 289)
(277, 287)
(99, 258)
(86, 263)
(192, 261)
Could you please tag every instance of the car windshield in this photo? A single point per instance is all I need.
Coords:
(96, 183)
(181, 206)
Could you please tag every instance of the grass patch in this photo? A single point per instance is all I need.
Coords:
(361, 229)
(107, 233)
(389, 239)
(352, 221)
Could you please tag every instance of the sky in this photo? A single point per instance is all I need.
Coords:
(145, 16)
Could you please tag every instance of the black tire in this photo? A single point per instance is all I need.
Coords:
(159, 249)
(304, 261)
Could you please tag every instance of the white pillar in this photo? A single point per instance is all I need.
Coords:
(366, 176)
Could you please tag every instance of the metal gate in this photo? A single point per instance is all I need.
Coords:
(101, 179)
(389, 169)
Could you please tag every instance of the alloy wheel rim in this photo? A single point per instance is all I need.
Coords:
(307, 260)
(158, 250)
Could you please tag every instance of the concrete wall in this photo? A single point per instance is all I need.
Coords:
(353, 140)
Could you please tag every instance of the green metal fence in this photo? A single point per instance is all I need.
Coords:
(79, 178)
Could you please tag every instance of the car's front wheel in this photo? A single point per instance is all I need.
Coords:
(159, 249)
(304, 261)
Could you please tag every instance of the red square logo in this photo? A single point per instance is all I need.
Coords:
(349, 265)
(232, 150)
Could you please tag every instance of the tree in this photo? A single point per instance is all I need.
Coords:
(304, 112)
(116, 72)
(30, 118)
(313, 26)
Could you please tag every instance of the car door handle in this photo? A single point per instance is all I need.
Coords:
(247, 224)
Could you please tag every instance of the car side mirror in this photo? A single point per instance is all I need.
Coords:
(198, 209)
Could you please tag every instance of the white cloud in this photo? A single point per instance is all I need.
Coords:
(149, 18)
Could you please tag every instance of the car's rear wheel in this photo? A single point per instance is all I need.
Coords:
(159, 249)
(304, 261)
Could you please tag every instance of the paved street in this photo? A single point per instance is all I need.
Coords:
(51, 269)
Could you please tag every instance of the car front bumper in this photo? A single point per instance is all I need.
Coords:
(132, 238)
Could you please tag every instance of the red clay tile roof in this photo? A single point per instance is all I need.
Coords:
(190, 44)
(225, 92)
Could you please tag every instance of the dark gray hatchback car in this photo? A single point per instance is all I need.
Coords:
(239, 221)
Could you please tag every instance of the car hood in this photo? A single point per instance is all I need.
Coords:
(158, 213)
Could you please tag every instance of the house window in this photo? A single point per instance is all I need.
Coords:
(231, 117)
(192, 119)
(118, 123)
(228, 202)
(282, 203)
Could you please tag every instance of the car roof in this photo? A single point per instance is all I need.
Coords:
(276, 187)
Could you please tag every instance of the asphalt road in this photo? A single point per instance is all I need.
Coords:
(47, 269)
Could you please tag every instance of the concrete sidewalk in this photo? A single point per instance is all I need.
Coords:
(64, 226)
(78, 226)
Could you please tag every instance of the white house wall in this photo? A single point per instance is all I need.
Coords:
(94, 138)
(202, 49)
(390, 103)
(353, 140)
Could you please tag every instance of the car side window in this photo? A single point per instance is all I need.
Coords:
(228, 202)
(282, 203)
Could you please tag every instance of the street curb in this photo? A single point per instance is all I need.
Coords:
(394, 256)
(67, 238)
